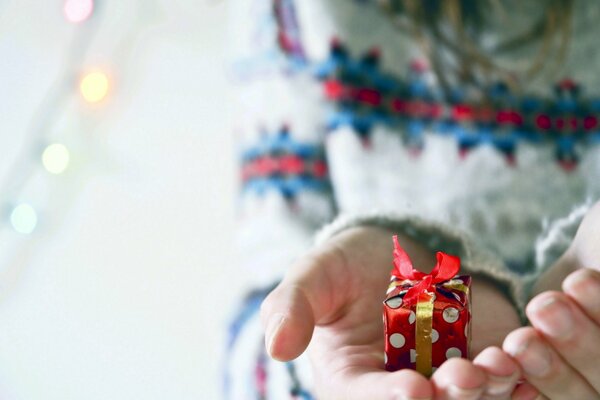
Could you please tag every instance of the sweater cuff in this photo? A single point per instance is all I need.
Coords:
(557, 236)
(440, 237)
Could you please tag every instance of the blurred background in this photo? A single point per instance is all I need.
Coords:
(116, 192)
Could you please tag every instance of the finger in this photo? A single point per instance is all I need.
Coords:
(305, 297)
(501, 370)
(583, 286)
(459, 379)
(358, 383)
(526, 391)
(544, 368)
(571, 333)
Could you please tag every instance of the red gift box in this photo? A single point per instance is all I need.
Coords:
(426, 316)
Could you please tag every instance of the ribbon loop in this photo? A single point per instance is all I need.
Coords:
(404, 266)
(446, 268)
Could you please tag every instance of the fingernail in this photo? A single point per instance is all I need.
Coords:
(401, 396)
(553, 317)
(456, 392)
(534, 358)
(500, 385)
(587, 285)
(273, 327)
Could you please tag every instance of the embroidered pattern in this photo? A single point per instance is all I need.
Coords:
(296, 391)
(249, 310)
(288, 35)
(365, 95)
(281, 163)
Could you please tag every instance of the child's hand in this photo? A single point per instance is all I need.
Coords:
(559, 354)
(331, 301)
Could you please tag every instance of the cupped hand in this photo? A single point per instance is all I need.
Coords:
(559, 354)
(560, 351)
(331, 302)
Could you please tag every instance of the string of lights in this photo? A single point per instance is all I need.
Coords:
(53, 157)
(76, 80)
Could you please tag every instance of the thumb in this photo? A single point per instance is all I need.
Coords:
(308, 295)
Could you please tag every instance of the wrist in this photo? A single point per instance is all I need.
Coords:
(494, 313)
(556, 274)
(381, 238)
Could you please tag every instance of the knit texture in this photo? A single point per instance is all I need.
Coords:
(340, 123)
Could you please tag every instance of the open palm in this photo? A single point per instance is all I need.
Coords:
(331, 301)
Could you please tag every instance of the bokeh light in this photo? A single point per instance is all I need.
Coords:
(77, 11)
(23, 218)
(55, 158)
(94, 86)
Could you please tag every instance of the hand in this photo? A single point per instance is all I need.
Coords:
(331, 301)
(559, 354)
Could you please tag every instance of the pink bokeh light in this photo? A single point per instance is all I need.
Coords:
(77, 11)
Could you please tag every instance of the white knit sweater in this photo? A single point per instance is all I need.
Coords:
(509, 221)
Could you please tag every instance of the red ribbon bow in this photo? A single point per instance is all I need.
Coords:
(446, 268)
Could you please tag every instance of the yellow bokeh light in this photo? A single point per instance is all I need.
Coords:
(23, 218)
(55, 158)
(94, 86)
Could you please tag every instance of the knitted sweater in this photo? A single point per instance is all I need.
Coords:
(341, 123)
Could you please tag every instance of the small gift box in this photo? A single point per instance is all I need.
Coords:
(426, 316)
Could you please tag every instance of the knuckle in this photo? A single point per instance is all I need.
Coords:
(264, 308)
(584, 275)
(267, 304)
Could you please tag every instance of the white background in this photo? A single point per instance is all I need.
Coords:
(123, 289)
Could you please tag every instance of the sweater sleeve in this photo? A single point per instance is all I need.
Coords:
(438, 236)
(284, 189)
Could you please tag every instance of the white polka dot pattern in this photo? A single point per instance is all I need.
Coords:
(412, 317)
(394, 302)
(450, 315)
(397, 340)
(453, 352)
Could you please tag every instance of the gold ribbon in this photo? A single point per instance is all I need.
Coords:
(456, 286)
(424, 324)
(423, 329)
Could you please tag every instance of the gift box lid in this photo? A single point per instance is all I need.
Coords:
(456, 288)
